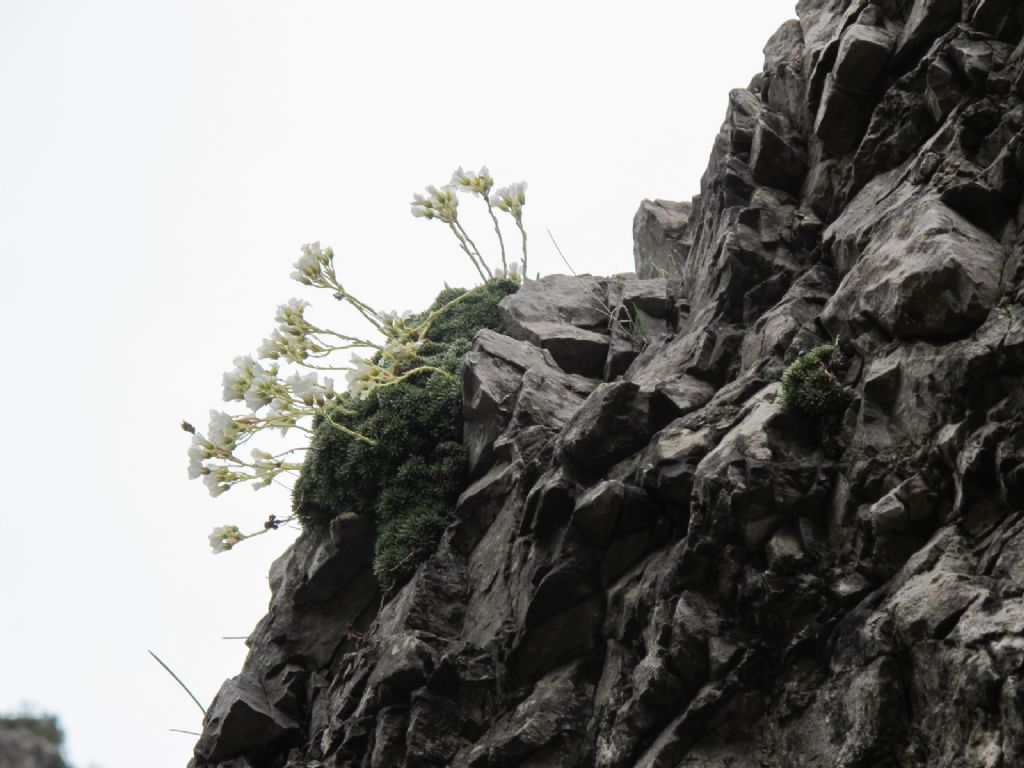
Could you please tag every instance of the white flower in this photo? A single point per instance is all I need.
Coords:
(441, 204)
(236, 382)
(223, 431)
(306, 388)
(479, 183)
(279, 406)
(265, 466)
(290, 315)
(197, 453)
(310, 263)
(216, 482)
(399, 351)
(394, 318)
(270, 349)
(296, 348)
(512, 198)
(421, 207)
(261, 391)
(224, 538)
(359, 379)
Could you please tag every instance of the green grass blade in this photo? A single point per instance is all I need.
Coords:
(178, 681)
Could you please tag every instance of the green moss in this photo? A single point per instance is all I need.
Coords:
(478, 310)
(811, 385)
(410, 478)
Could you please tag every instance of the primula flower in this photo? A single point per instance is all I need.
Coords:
(224, 538)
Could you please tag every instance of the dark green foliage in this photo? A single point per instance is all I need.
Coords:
(476, 311)
(811, 386)
(411, 477)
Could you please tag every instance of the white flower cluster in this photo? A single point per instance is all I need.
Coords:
(312, 264)
(360, 377)
(222, 439)
(223, 432)
(219, 479)
(290, 317)
(292, 339)
(511, 199)
(280, 345)
(265, 467)
(279, 402)
(251, 382)
(394, 320)
(366, 375)
(200, 450)
(307, 389)
(225, 537)
(479, 182)
(441, 204)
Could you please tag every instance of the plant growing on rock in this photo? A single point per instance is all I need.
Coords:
(811, 386)
(389, 445)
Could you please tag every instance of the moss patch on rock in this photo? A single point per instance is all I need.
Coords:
(411, 476)
(811, 385)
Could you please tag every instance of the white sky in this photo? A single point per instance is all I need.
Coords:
(160, 165)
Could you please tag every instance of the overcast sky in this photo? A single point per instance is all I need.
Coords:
(161, 163)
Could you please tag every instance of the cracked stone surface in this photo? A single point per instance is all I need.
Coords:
(657, 565)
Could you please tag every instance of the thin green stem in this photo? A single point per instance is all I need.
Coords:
(412, 372)
(519, 223)
(352, 339)
(347, 430)
(465, 247)
(178, 681)
(420, 331)
(475, 249)
(560, 252)
(497, 231)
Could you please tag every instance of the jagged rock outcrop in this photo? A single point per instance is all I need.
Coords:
(28, 741)
(655, 564)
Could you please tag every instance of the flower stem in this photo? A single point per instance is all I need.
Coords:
(497, 231)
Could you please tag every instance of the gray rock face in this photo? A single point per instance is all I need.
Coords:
(657, 565)
(31, 742)
(660, 245)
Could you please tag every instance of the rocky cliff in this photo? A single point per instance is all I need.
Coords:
(656, 564)
(29, 741)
